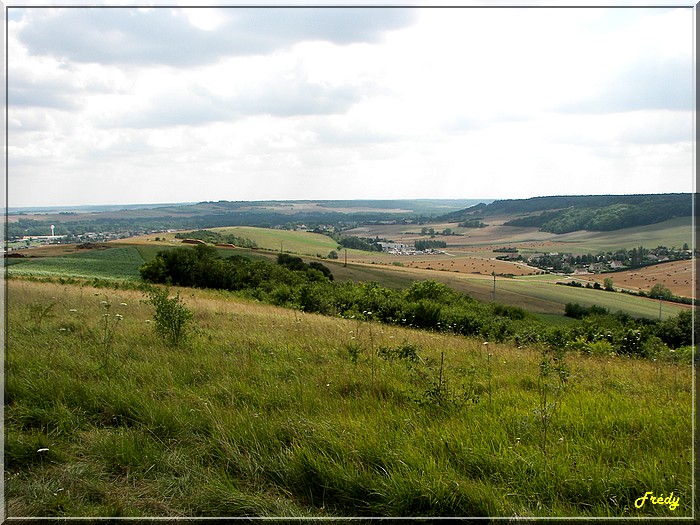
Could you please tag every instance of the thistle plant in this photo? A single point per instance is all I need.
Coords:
(552, 378)
(38, 311)
(108, 325)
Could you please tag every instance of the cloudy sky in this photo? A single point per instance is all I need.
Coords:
(148, 105)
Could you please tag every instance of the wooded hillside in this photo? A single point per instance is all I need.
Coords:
(563, 214)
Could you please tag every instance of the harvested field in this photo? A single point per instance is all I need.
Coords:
(676, 276)
(471, 265)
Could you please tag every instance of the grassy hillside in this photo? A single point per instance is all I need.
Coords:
(271, 412)
(673, 232)
(299, 242)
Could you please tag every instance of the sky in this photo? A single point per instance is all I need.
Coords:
(115, 105)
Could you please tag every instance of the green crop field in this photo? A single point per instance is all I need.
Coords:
(539, 290)
(266, 412)
(541, 294)
(114, 263)
(297, 242)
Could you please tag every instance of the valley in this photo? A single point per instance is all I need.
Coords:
(310, 380)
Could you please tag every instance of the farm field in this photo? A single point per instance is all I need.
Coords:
(674, 232)
(677, 276)
(535, 290)
(275, 413)
(471, 265)
(112, 264)
(303, 243)
(468, 270)
(538, 293)
(296, 242)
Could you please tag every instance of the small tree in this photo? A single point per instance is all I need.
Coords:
(608, 284)
(172, 318)
(659, 291)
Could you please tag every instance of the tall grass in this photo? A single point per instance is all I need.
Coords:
(267, 412)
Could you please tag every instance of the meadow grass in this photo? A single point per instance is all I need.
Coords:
(272, 412)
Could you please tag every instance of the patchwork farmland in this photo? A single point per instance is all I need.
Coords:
(428, 403)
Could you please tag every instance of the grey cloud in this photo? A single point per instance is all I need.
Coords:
(24, 92)
(196, 105)
(655, 84)
(161, 36)
(173, 109)
(62, 88)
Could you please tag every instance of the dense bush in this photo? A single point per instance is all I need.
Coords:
(428, 305)
(429, 245)
(298, 265)
(578, 311)
(359, 243)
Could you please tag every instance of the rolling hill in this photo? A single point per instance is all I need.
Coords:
(564, 214)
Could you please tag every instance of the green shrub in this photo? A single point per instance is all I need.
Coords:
(599, 348)
(172, 318)
(405, 351)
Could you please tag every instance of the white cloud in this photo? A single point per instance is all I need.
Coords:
(139, 105)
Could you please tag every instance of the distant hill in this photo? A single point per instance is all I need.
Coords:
(563, 214)
(118, 218)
